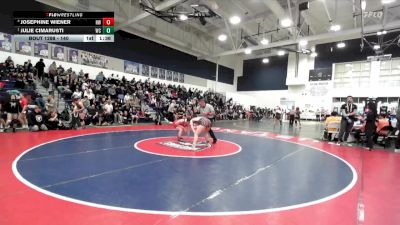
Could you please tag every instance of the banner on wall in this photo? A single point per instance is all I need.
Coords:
(145, 70)
(58, 53)
(169, 75)
(321, 74)
(175, 76)
(154, 72)
(73, 55)
(181, 78)
(41, 50)
(5, 42)
(319, 88)
(92, 59)
(23, 48)
(131, 67)
(161, 74)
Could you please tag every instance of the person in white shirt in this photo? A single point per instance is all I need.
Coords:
(278, 116)
(89, 94)
(84, 86)
(108, 112)
(127, 97)
(77, 94)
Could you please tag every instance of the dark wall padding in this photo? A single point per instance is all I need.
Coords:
(352, 51)
(258, 76)
(130, 47)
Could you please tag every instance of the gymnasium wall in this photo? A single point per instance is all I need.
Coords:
(329, 54)
(258, 76)
(129, 47)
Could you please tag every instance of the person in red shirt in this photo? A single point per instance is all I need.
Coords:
(23, 101)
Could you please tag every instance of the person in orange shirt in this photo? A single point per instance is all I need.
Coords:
(382, 122)
(334, 118)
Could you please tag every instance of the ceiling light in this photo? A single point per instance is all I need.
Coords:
(335, 27)
(387, 1)
(183, 17)
(314, 54)
(363, 5)
(247, 51)
(341, 45)
(379, 33)
(265, 60)
(376, 47)
(286, 22)
(194, 5)
(235, 20)
(281, 53)
(303, 42)
(222, 37)
(384, 32)
(264, 41)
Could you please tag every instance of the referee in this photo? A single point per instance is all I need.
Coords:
(207, 110)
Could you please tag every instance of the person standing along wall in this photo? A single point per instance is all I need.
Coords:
(348, 111)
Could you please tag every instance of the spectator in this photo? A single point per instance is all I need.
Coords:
(100, 76)
(51, 104)
(52, 120)
(297, 117)
(371, 114)
(13, 110)
(292, 114)
(397, 146)
(278, 116)
(9, 62)
(37, 120)
(108, 112)
(40, 68)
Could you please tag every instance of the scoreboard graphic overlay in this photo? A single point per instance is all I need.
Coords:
(64, 26)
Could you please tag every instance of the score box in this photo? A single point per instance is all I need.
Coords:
(108, 30)
(108, 21)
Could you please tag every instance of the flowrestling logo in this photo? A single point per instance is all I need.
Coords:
(186, 146)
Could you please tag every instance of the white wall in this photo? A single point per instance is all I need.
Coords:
(305, 64)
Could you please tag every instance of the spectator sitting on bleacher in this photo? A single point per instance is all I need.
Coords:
(51, 104)
(37, 120)
(52, 120)
(40, 102)
(100, 76)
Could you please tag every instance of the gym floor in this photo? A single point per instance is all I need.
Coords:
(255, 174)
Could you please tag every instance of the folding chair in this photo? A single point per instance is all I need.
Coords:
(333, 128)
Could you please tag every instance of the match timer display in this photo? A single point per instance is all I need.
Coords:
(64, 26)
